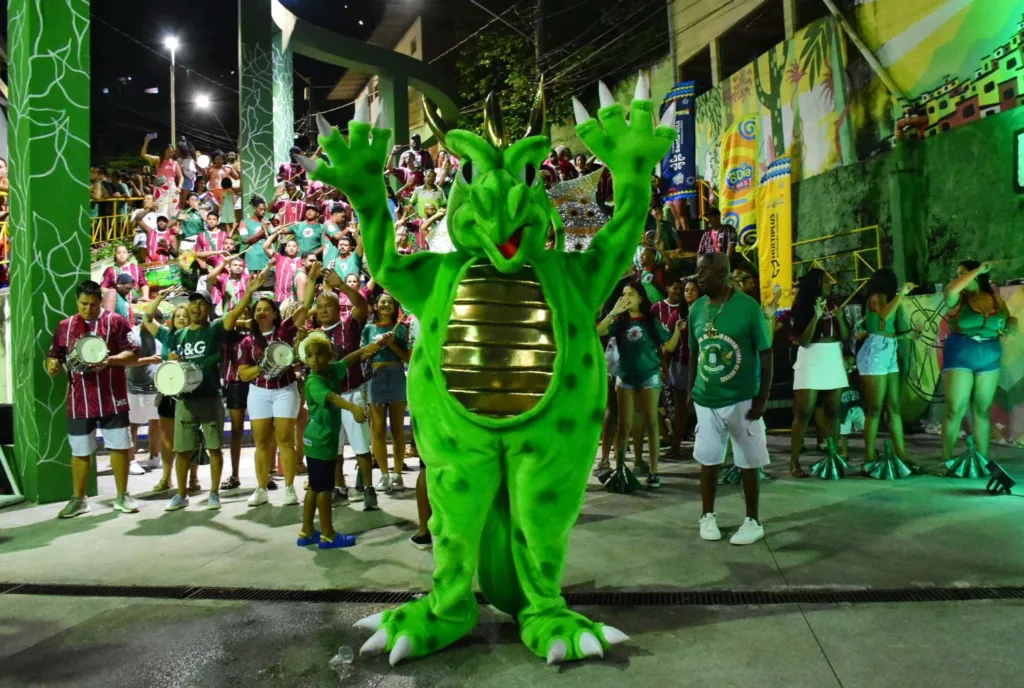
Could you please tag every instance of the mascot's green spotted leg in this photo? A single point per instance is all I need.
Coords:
(508, 367)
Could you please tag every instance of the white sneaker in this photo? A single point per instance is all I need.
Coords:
(750, 532)
(290, 498)
(709, 528)
(384, 484)
(125, 504)
(259, 497)
(396, 482)
(135, 469)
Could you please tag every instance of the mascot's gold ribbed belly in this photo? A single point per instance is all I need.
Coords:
(499, 356)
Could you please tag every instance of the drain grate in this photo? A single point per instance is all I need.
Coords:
(685, 598)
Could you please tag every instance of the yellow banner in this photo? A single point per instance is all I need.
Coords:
(738, 186)
(775, 238)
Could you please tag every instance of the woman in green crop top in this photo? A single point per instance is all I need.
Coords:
(386, 388)
(876, 360)
(972, 354)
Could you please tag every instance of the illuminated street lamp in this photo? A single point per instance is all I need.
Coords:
(171, 43)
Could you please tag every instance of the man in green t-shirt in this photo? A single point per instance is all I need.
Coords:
(320, 438)
(730, 377)
(349, 260)
(202, 410)
(252, 231)
(309, 233)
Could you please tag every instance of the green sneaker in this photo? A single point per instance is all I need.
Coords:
(74, 507)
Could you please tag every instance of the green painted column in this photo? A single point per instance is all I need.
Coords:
(394, 94)
(284, 101)
(49, 150)
(256, 97)
(908, 201)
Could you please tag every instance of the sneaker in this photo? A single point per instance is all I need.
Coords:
(290, 498)
(396, 482)
(125, 504)
(709, 528)
(369, 499)
(135, 469)
(231, 483)
(258, 498)
(74, 507)
(653, 480)
(750, 532)
(384, 484)
(162, 486)
(422, 541)
(341, 495)
(309, 539)
(177, 503)
(213, 502)
(271, 485)
(340, 540)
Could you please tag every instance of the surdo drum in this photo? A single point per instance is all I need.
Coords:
(177, 377)
(88, 351)
(277, 359)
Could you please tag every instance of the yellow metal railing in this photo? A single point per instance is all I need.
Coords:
(117, 226)
(853, 267)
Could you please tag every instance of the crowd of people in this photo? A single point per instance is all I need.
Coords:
(219, 292)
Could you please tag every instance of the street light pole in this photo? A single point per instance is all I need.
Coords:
(172, 43)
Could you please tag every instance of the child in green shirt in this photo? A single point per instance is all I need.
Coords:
(324, 401)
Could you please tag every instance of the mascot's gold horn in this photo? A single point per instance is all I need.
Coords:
(494, 124)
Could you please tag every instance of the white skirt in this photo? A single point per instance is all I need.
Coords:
(820, 366)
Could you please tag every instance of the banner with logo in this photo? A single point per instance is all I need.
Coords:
(738, 185)
(679, 168)
(775, 232)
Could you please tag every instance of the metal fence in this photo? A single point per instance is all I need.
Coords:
(850, 269)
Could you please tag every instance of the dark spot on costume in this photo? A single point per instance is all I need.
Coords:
(444, 542)
(547, 496)
(458, 570)
(571, 381)
(565, 425)
(450, 442)
(461, 485)
(433, 325)
(433, 643)
(587, 360)
(548, 569)
(428, 374)
(597, 416)
(527, 448)
(399, 616)
(519, 536)
(558, 630)
(573, 330)
(431, 617)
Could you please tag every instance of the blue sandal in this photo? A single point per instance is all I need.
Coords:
(340, 540)
(309, 540)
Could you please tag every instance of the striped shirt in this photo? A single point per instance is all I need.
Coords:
(251, 354)
(230, 356)
(95, 394)
(111, 273)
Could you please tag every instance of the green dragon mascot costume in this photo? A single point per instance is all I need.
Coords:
(508, 375)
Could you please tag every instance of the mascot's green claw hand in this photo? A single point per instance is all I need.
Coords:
(356, 166)
(632, 147)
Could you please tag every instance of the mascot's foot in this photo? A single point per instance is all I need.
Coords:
(622, 481)
(413, 630)
(565, 636)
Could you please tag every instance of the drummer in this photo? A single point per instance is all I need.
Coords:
(123, 264)
(202, 410)
(97, 395)
(274, 399)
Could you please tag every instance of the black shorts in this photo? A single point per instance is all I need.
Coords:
(321, 474)
(236, 395)
(165, 409)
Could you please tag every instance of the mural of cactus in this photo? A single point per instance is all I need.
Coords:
(771, 97)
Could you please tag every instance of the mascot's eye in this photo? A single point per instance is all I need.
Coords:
(529, 174)
(467, 171)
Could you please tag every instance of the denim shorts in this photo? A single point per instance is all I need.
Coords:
(967, 353)
(387, 385)
(653, 382)
(877, 356)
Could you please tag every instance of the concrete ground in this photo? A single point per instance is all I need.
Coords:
(855, 533)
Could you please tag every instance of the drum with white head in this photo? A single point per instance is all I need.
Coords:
(174, 378)
(277, 359)
(88, 351)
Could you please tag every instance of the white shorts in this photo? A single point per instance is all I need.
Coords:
(715, 427)
(854, 421)
(142, 408)
(356, 434)
(274, 403)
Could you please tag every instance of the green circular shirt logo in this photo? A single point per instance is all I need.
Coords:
(720, 358)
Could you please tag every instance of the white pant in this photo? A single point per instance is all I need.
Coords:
(715, 427)
(357, 434)
(142, 408)
(274, 403)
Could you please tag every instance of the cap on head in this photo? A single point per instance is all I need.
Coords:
(162, 217)
(201, 296)
(125, 278)
(712, 212)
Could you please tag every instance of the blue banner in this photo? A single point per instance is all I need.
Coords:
(679, 168)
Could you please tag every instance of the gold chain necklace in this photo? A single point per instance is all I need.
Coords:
(709, 327)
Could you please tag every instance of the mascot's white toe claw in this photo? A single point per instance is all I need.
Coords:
(604, 94)
(380, 122)
(557, 652)
(669, 118)
(401, 650)
(324, 126)
(590, 646)
(376, 644)
(371, 623)
(307, 163)
(580, 111)
(362, 111)
(643, 88)
(614, 636)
